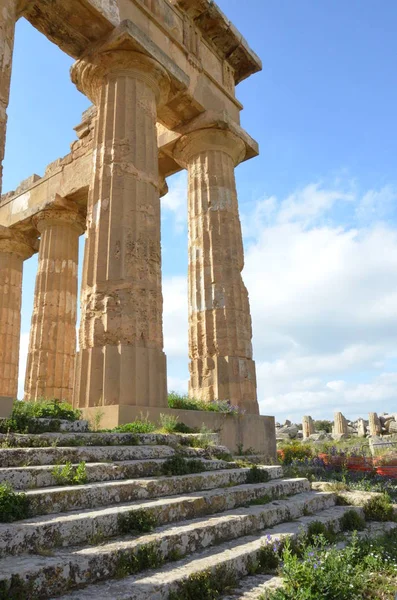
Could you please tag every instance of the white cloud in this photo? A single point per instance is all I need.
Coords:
(23, 355)
(175, 201)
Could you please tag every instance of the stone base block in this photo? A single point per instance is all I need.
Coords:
(5, 406)
(247, 431)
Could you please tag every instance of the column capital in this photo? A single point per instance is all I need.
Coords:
(90, 72)
(16, 242)
(54, 216)
(204, 140)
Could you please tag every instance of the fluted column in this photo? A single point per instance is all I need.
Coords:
(14, 249)
(52, 345)
(220, 331)
(121, 357)
(8, 17)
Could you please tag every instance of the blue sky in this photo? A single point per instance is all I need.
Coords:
(318, 206)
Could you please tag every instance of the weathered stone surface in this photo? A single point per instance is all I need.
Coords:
(237, 555)
(220, 331)
(307, 427)
(78, 527)
(15, 247)
(8, 17)
(340, 425)
(375, 427)
(52, 345)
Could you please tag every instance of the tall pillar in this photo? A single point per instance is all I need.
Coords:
(8, 17)
(121, 358)
(340, 424)
(375, 427)
(14, 249)
(307, 427)
(220, 331)
(52, 345)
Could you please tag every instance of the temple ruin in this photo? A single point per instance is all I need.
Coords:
(161, 75)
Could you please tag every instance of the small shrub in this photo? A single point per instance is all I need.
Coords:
(136, 521)
(178, 465)
(206, 585)
(176, 400)
(379, 508)
(170, 424)
(294, 451)
(352, 521)
(14, 506)
(24, 415)
(261, 500)
(257, 475)
(317, 529)
(268, 557)
(68, 474)
(142, 425)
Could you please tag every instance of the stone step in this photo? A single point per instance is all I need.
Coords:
(26, 440)
(236, 557)
(255, 587)
(68, 569)
(78, 497)
(29, 457)
(88, 526)
(24, 478)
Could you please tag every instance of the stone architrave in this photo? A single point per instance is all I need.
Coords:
(374, 424)
(8, 17)
(121, 358)
(340, 424)
(307, 427)
(220, 330)
(52, 346)
(14, 249)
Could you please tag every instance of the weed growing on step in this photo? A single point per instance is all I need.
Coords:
(379, 508)
(170, 424)
(142, 425)
(206, 585)
(352, 521)
(68, 474)
(257, 475)
(176, 400)
(148, 556)
(178, 465)
(14, 506)
(136, 521)
(363, 569)
(265, 499)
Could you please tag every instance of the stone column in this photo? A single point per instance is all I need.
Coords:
(361, 428)
(374, 424)
(340, 424)
(307, 427)
(8, 17)
(220, 331)
(121, 358)
(14, 249)
(52, 345)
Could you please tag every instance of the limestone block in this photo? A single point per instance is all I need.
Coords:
(340, 425)
(375, 427)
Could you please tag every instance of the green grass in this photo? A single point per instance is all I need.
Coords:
(136, 521)
(257, 475)
(178, 465)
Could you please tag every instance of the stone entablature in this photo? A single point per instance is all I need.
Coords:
(161, 75)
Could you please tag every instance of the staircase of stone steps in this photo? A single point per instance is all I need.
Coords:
(132, 533)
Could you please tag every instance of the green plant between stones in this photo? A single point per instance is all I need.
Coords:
(179, 465)
(352, 521)
(379, 508)
(14, 506)
(257, 475)
(136, 521)
(69, 474)
(206, 585)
